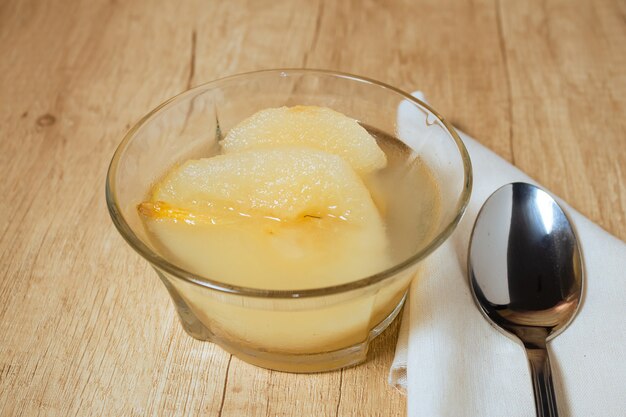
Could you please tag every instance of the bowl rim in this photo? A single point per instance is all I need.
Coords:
(160, 262)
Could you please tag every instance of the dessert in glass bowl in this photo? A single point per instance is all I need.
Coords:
(287, 211)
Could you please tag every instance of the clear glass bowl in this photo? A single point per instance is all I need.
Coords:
(307, 330)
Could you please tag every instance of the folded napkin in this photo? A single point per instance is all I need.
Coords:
(452, 362)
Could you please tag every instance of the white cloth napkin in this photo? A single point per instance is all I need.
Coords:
(452, 362)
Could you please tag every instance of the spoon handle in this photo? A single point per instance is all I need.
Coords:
(545, 400)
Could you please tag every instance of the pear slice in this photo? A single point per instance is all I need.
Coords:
(317, 127)
(281, 218)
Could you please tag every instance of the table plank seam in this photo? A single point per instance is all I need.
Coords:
(192, 59)
(339, 399)
(505, 63)
(230, 358)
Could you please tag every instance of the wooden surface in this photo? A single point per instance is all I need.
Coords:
(85, 326)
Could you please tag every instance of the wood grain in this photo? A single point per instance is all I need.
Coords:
(85, 326)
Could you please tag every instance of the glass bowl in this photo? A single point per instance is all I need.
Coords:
(312, 329)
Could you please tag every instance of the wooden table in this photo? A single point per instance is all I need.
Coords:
(85, 326)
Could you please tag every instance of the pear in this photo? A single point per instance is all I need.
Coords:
(317, 127)
(286, 217)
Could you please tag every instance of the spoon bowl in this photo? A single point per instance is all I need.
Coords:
(525, 270)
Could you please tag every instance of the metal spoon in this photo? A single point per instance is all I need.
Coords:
(525, 271)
